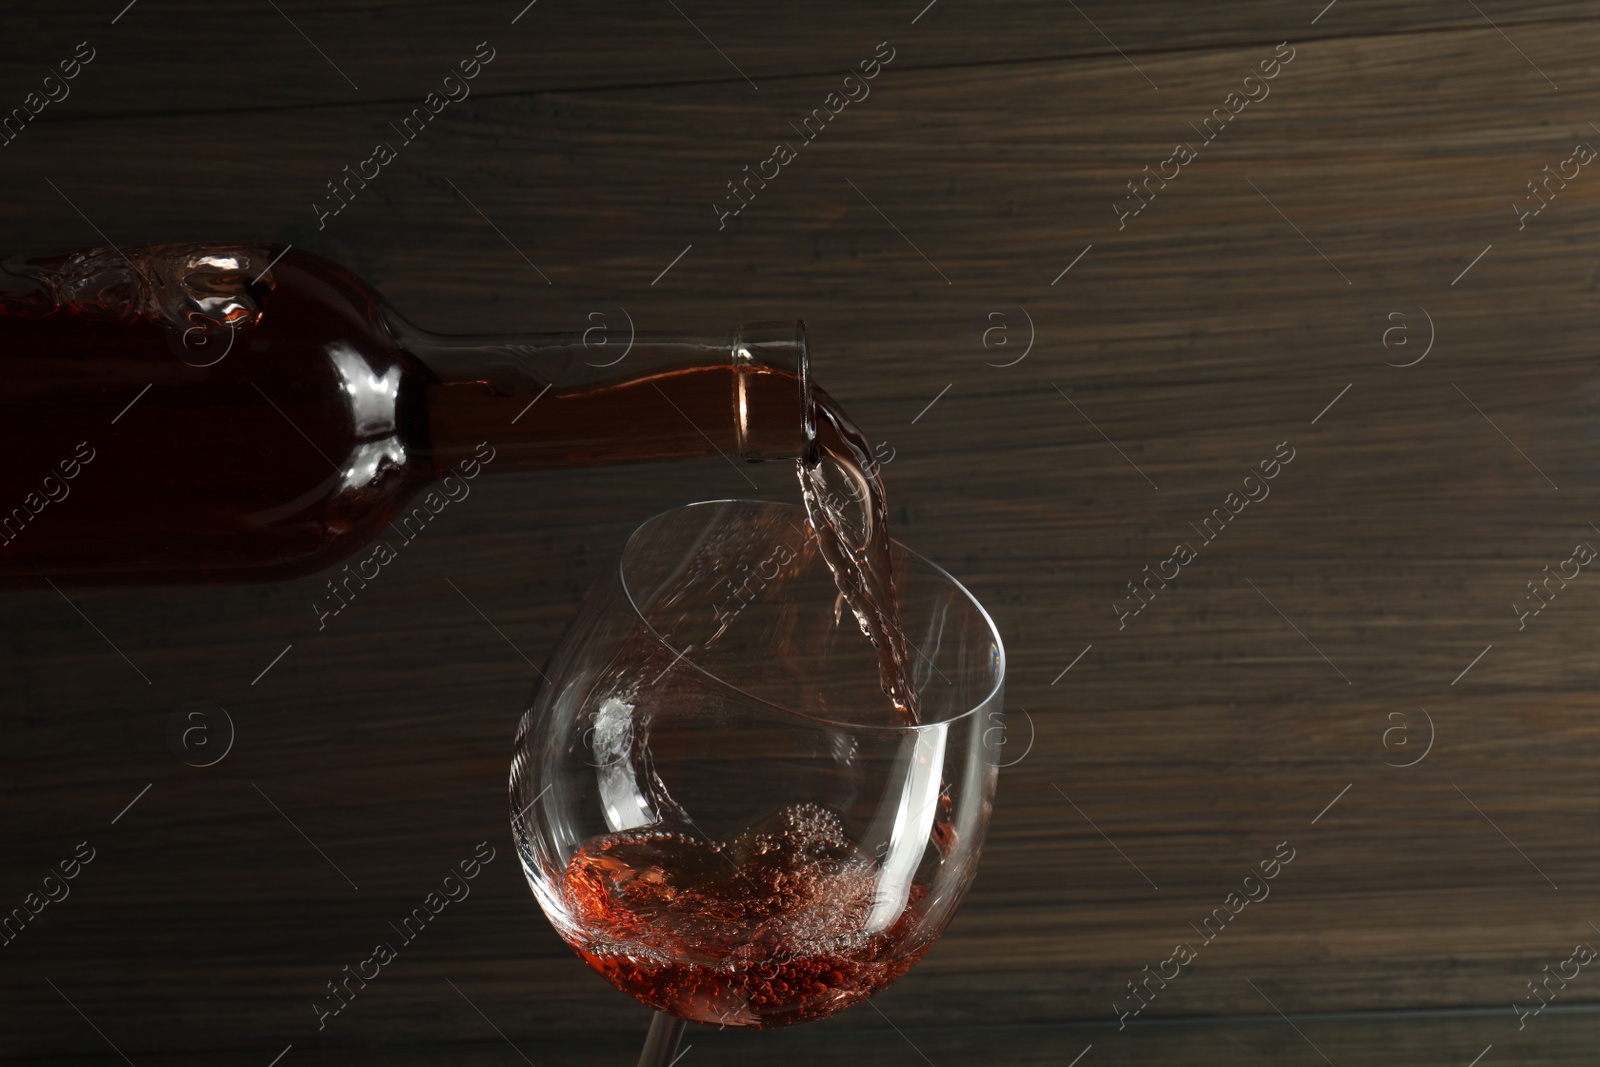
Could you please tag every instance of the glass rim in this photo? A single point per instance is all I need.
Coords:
(983, 613)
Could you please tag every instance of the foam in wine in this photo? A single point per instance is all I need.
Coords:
(767, 930)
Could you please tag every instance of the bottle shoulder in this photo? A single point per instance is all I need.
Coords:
(254, 422)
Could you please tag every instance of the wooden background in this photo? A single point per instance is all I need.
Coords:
(1224, 719)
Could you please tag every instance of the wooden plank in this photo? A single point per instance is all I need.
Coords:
(1404, 1040)
(1196, 339)
(160, 56)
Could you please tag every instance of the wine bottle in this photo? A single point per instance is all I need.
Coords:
(251, 413)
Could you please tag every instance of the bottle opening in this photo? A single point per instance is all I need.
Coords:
(771, 361)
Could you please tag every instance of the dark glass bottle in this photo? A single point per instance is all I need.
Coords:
(246, 413)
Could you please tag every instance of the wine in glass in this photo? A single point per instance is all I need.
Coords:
(714, 801)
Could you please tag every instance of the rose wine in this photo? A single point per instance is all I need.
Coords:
(767, 930)
(250, 413)
(239, 413)
(845, 500)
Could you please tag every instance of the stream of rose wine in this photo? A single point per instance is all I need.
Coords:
(845, 501)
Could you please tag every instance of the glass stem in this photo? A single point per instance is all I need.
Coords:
(661, 1044)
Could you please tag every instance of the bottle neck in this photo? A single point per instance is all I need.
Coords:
(560, 399)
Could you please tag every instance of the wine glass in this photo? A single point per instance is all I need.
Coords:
(713, 799)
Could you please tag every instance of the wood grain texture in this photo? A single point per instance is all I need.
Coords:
(1404, 1040)
(1253, 290)
(165, 56)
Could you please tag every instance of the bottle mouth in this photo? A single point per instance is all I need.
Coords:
(765, 425)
